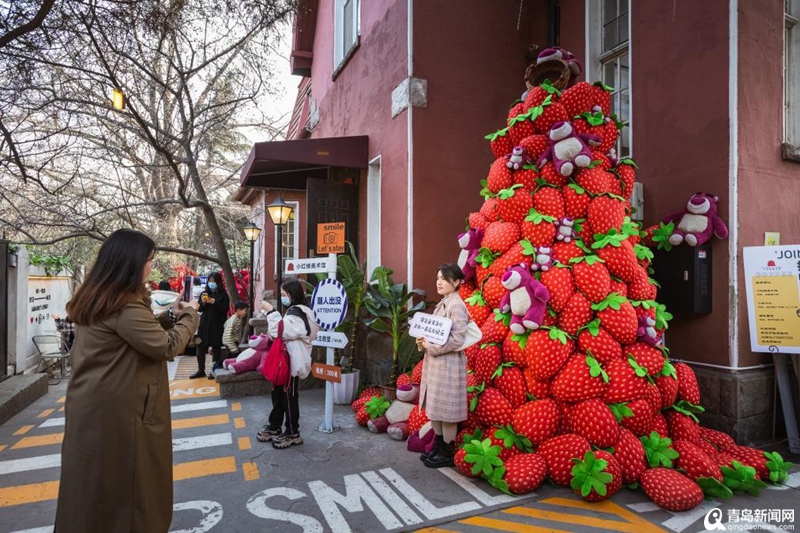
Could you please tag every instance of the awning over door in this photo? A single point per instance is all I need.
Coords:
(287, 164)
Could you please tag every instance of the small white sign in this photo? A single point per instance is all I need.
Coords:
(330, 339)
(435, 329)
(309, 266)
(329, 303)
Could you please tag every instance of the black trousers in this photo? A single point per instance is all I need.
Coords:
(285, 405)
(201, 355)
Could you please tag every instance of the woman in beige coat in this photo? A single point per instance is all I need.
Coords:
(443, 391)
(116, 458)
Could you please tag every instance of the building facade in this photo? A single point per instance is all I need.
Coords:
(396, 97)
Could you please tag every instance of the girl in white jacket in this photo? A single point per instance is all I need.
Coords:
(299, 329)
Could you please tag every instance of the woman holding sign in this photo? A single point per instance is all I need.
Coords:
(443, 392)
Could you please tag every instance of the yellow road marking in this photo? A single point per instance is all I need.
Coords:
(236, 406)
(36, 492)
(184, 423)
(46, 413)
(23, 430)
(41, 440)
(193, 469)
(2, 447)
(192, 388)
(62, 399)
(244, 443)
(238, 422)
(250, 471)
(435, 530)
(504, 525)
(631, 524)
(61, 409)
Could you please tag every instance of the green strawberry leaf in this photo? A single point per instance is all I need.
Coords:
(505, 194)
(669, 370)
(595, 369)
(614, 300)
(577, 188)
(620, 411)
(579, 244)
(496, 480)
(603, 86)
(642, 252)
(742, 478)
(594, 327)
(476, 299)
(658, 450)
(521, 338)
(556, 334)
(778, 468)
(527, 247)
(589, 473)
(494, 136)
(505, 318)
(537, 218)
(714, 489)
(640, 370)
(377, 406)
(486, 257)
(662, 317)
(473, 403)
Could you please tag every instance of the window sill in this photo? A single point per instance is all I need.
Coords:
(346, 59)
(790, 152)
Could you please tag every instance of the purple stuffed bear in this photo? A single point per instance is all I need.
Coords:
(567, 149)
(470, 243)
(698, 222)
(527, 299)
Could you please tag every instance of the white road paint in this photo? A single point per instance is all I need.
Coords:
(356, 491)
(31, 463)
(257, 505)
(486, 499)
(684, 519)
(46, 529)
(643, 507)
(430, 511)
(203, 441)
(212, 515)
(184, 408)
(392, 498)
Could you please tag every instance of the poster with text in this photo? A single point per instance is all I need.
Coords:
(772, 281)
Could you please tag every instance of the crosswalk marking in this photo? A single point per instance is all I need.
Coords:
(35, 492)
(631, 524)
(23, 430)
(53, 422)
(250, 471)
(184, 423)
(238, 422)
(503, 525)
(201, 406)
(236, 406)
(203, 441)
(193, 469)
(2, 447)
(31, 463)
(244, 443)
(46, 413)
(41, 440)
(62, 399)
(46, 529)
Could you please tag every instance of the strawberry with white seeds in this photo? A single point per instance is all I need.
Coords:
(626, 170)
(593, 420)
(630, 455)
(520, 127)
(617, 316)
(538, 229)
(495, 329)
(514, 203)
(552, 112)
(477, 308)
(548, 201)
(683, 425)
(627, 381)
(492, 407)
(514, 349)
(578, 99)
(618, 253)
(560, 283)
(591, 277)
(565, 252)
(511, 383)
(721, 441)
(576, 201)
(558, 452)
(699, 466)
(594, 180)
(537, 420)
(477, 221)
(688, 389)
(670, 489)
(598, 342)
(538, 389)
(534, 146)
(597, 476)
(538, 95)
(489, 210)
(769, 466)
(493, 291)
(547, 351)
(636, 415)
(606, 212)
(548, 175)
(487, 361)
(524, 473)
(520, 253)
(500, 236)
(500, 143)
(576, 314)
(582, 378)
(647, 356)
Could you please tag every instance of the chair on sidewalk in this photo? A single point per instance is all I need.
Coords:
(53, 350)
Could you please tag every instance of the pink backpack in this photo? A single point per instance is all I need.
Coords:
(277, 366)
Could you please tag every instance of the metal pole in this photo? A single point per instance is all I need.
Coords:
(252, 280)
(279, 267)
(327, 424)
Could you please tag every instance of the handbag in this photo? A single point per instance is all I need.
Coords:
(277, 365)
(472, 336)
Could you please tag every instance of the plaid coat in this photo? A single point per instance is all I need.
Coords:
(443, 391)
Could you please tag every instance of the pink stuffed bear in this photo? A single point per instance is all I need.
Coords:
(567, 149)
(260, 345)
(470, 243)
(646, 332)
(543, 259)
(566, 56)
(527, 299)
(698, 222)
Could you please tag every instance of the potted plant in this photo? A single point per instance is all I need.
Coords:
(353, 276)
(389, 304)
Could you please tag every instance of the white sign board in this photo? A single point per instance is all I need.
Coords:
(435, 329)
(329, 303)
(310, 266)
(773, 297)
(47, 296)
(330, 339)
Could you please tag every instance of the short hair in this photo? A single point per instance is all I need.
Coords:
(451, 272)
(217, 279)
(163, 285)
(240, 305)
(296, 293)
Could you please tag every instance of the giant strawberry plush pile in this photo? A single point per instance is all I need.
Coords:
(588, 392)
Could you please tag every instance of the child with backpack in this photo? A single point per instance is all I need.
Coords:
(299, 329)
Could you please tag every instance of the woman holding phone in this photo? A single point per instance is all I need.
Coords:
(214, 304)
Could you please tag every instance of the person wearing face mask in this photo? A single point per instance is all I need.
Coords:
(214, 304)
(299, 329)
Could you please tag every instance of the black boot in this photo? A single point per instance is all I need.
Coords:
(201, 367)
(437, 443)
(443, 456)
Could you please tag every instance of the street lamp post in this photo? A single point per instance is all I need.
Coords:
(280, 212)
(251, 233)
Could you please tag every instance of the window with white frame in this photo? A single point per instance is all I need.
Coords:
(291, 238)
(608, 59)
(346, 30)
(791, 73)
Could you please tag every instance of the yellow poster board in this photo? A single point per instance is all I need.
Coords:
(777, 310)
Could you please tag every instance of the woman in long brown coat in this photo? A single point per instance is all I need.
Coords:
(116, 458)
(443, 391)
